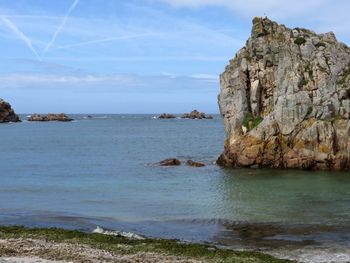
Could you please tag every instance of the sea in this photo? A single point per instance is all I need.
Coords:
(101, 172)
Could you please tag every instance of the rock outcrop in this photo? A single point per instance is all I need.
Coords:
(166, 116)
(285, 100)
(50, 117)
(196, 115)
(7, 114)
(170, 162)
(194, 163)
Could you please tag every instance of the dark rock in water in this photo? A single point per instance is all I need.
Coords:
(194, 164)
(7, 114)
(50, 117)
(170, 162)
(285, 100)
(167, 116)
(196, 115)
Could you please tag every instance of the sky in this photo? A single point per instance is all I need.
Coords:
(135, 56)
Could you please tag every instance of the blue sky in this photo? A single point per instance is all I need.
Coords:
(135, 56)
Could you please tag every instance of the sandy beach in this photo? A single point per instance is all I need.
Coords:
(22, 250)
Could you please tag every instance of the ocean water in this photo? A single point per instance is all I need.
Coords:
(100, 172)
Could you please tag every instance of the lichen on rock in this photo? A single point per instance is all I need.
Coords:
(285, 100)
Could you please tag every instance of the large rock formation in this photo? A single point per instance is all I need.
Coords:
(7, 114)
(285, 100)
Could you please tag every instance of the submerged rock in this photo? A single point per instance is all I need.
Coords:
(285, 100)
(7, 114)
(166, 116)
(50, 117)
(170, 162)
(196, 115)
(194, 164)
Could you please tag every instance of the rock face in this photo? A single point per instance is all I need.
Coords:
(49, 117)
(196, 115)
(7, 114)
(285, 100)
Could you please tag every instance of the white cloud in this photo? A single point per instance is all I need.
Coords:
(206, 77)
(140, 58)
(319, 15)
(169, 75)
(276, 8)
(32, 81)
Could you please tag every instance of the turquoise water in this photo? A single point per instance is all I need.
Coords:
(100, 171)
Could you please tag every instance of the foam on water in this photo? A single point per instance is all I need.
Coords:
(313, 255)
(100, 230)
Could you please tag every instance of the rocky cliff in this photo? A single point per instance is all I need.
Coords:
(7, 114)
(285, 100)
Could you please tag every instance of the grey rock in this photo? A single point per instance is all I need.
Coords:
(285, 100)
(196, 115)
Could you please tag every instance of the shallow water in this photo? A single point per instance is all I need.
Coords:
(100, 172)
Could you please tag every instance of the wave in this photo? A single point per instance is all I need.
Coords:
(313, 255)
(100, 230)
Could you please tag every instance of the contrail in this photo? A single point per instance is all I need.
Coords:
(108, 40)
(19, 34)
(64, 20)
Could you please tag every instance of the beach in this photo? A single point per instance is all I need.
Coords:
(19, 244)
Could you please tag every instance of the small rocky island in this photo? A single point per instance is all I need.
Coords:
(7, 114)
(167, 116)
(196, 115)
(285, 100)
(50, 117)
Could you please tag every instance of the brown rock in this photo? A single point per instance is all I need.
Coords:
(166, 116)
(170, 162)
(194, 164)
(7, 114)
(196, 115)
(50, 117)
